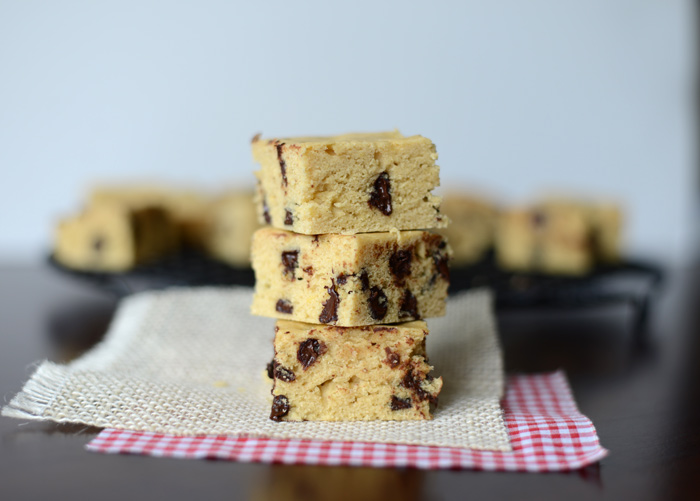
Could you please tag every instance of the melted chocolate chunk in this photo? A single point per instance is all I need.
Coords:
(288, 217)
(271, 368)
(409, 306)
(414, 384)
(98, 244)
(433, 279)
(309, 351)
(378, 303)
(380, 197)
(290, 261)
(342, 279)
(283, 165)
(398, 404)
(364, 280)
(280, 408)
(266, 212)
(392, 358)
(284, 306)
(330, 306)
(400, 265)
(284, 374)
(441, 265)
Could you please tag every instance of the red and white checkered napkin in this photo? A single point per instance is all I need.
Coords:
(546, 430)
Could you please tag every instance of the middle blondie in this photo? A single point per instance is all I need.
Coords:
(350, 280)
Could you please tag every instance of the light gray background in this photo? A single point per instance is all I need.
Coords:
(592, 96)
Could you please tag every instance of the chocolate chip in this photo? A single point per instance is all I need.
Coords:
(408, 380)
(280, 408)
(342, 279)
(284, 374)
(309, 351)
(284, 306)
(392, 358)
(98, 244)
(378, 303)
(408, 308)
(400, 265)
(266, 212)
(330, 306)
(288, 217)
(380, 197)
(412, 383)
(398, 404)
(283, 165)
(441, 265)
(290, 261)
(271, 368)
(364, 280)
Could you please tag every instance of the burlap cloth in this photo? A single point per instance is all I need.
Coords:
(191, 362)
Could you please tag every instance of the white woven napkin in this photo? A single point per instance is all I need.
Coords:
(191, 362)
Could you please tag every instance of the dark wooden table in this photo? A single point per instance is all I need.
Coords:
(644, 401)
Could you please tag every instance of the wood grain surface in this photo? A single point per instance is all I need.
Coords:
(643, 399)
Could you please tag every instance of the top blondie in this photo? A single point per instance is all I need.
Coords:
(354, 183)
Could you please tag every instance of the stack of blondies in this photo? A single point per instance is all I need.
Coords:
(347, 268)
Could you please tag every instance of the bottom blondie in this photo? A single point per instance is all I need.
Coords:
(331, 373)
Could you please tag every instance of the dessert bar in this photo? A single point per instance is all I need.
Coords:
(363, 279)
(331, 373)
(348, 184)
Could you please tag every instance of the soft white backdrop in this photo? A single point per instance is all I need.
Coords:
(587, 95)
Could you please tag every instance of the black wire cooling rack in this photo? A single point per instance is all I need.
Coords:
(188, 268)
(633, 282)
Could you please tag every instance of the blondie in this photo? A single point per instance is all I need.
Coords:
(331, 373)
(363, 279)
(559, 236)
(186, 208)
(471, 229)
(111, 237)
(231, 223)
(348, 184)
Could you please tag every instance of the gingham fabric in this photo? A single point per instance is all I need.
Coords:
(547, 432)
